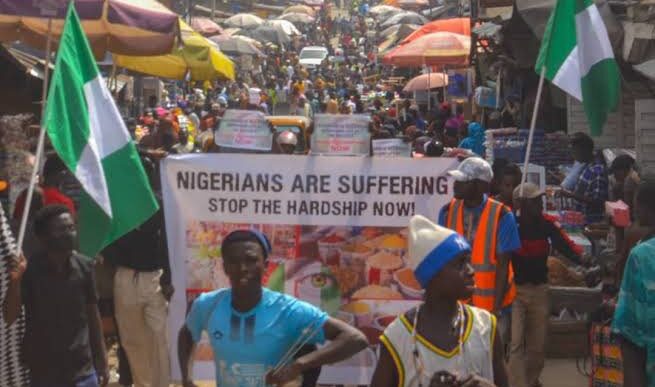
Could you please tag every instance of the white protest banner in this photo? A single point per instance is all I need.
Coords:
(392, 147)
(244, 129)
(341, 135)
(337, 226)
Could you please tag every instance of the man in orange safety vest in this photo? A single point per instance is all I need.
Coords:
(491, 229)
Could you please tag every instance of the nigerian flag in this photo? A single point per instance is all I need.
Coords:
(578, 57)
(89, 135)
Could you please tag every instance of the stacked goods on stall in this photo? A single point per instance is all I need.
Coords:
(550, 150)
(556, 153)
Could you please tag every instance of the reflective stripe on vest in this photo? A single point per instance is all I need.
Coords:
(484, 252)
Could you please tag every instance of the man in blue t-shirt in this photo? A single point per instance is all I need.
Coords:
(252, 329)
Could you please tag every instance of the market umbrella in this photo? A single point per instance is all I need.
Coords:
(313, 3)
(206, 26)
(384, 9)
(435, 49)
(460, 26)
(286, 26)
(237, 45)
(426, 82)
(243, 20)
(400, 30)
(129, 27)
(230, 31)
(267, 34)
(404, 18)
(299, 8)
(297, 18)
(396, 35)
(412, 4)
(198, 57)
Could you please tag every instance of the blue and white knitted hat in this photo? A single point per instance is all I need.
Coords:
(431, 247)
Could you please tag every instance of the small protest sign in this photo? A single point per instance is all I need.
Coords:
(341, 135)
(393, 147)
(244, 129)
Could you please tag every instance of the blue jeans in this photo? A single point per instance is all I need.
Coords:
(85, 381)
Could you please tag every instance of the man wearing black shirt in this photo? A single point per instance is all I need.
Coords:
(63, 344)
(530, 310)
(142, 289)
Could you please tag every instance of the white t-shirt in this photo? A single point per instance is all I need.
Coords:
(476, 356)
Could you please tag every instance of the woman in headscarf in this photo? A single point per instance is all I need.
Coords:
(475, 139)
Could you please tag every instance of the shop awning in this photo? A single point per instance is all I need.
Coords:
(537, 12)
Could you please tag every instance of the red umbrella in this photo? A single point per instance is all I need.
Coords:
(426, 82)
(460, 26)
(436, 49)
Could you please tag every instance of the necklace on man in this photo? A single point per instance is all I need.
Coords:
(457, 322)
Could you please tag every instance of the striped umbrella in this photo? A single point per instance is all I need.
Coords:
(128, 27)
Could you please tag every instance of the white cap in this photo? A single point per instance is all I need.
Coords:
(473, 168)
(431, 247)
(287, 137)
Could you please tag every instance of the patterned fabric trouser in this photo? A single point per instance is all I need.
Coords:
(12, 371)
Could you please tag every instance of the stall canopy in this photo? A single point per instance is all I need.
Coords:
(128, 27)
(435, 49)
(198, 57)
(460, 26)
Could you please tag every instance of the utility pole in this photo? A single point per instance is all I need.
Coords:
(213, 10)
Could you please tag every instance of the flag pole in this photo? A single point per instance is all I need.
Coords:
(40, 144)
(535, 112)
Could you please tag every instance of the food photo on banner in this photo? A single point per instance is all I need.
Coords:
(339, 240)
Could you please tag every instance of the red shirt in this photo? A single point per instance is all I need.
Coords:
(51, 195)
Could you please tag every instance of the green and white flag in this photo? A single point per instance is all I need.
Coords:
(89, 135)
(578, 57)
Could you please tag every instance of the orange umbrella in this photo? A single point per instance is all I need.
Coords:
(426, 81)
(435, 49)
(460, 26)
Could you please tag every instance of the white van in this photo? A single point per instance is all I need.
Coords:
(312, 56)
